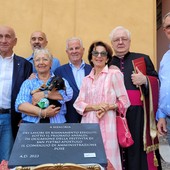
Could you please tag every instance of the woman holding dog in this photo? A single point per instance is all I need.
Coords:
(35, 108)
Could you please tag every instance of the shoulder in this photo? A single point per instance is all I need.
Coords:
(56, 60)
(21, 59)
(165, 58)
(166, 55)
(62, 67)
(29, 58)
(88, 66)
(114, 71)
(113, 68)
(146, 57)
(138, 55)
(27, 82)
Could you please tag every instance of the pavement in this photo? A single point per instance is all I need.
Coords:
(164, 149)
(165, 166)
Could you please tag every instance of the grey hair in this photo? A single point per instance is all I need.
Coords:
(73, 39)
(119, 28)
(43, 51)
(165, 16)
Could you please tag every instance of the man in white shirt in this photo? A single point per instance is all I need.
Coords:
(13, 71)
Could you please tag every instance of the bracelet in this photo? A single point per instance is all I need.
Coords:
(115, 106)
(46, 94)
(45, 114)
(40, 113)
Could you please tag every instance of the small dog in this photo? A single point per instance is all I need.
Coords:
(56, 83)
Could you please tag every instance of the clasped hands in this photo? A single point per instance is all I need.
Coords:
(102, 108)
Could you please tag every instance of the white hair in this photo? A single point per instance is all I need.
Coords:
(113, 32)
(43, 51)
(165, 16)
(74, 39)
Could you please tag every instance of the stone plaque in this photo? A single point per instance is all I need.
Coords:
(57, 143)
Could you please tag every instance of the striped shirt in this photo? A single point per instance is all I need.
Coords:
(25, 96)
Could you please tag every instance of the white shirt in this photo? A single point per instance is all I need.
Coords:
(6, 72)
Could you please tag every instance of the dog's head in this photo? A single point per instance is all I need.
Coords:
(57, 82)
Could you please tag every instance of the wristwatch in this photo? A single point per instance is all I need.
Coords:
(46, 94)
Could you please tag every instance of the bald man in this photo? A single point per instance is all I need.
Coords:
(13, 71)
(39, 40)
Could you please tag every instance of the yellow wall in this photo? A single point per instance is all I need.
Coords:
(88, 19)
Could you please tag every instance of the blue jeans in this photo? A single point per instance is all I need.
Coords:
(6, 138)
(168, 128)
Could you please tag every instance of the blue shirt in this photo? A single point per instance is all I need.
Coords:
(78, 73)
(24, 95)
(164, 93)
(55, 64)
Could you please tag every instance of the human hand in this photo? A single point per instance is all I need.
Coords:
(161, 125)
(138, 78)
(100, 114)
(51, 111)
(32, 76)
(36, 97)
(4, 165)
(54, 95)
(109, 166)
(102, 109)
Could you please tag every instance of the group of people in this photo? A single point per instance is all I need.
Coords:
(93, 93)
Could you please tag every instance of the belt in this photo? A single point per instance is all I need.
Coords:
(5, 111)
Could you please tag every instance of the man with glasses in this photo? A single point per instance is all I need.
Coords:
(141, 155)
(74, 72)
(163, 113)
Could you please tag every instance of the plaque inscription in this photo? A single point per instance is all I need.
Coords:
(57, 143)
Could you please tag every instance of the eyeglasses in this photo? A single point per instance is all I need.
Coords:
(167, 27)
(102, 54)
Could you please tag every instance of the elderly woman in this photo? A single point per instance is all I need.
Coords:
(27, 103)
(102, 93)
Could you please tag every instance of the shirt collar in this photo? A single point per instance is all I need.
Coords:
(125, 56)
(81, 66)
(9, 58)
(30, 57)
(51, 74)
(105, 70)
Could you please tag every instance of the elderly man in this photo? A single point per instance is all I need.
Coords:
(140, 156)
(39, 40)
(74, 72)
(13, 71)
(163, 113)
